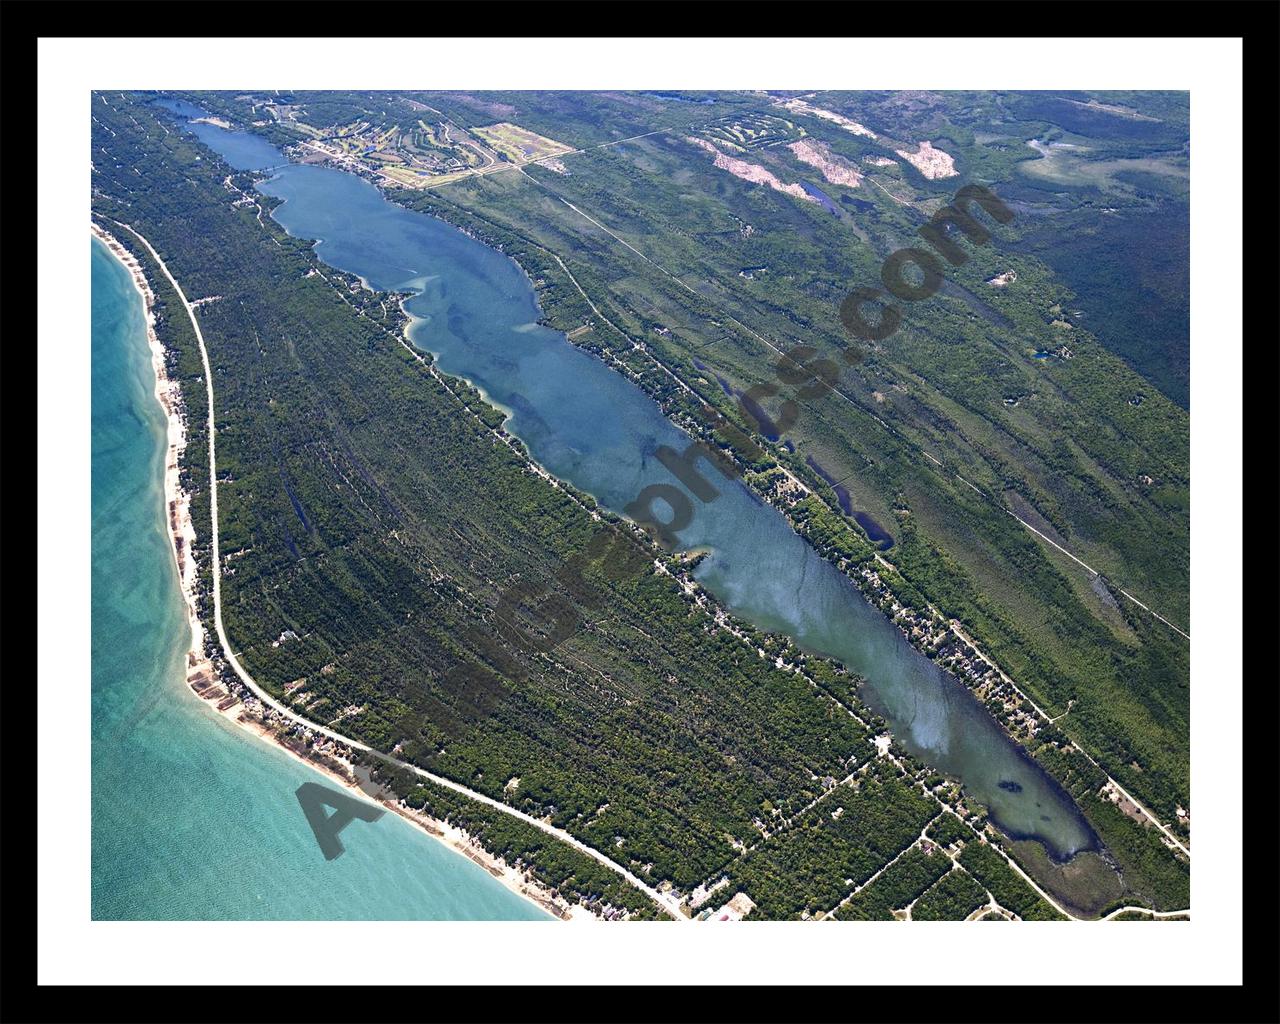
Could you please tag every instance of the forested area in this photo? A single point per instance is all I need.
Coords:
(368, 523)
(353, 477)
(839, 843)
(947, 830)
(953, 898)
(900, 884)
(1153, 874)
(558, 866)
(1067, 448)
(1005, 885)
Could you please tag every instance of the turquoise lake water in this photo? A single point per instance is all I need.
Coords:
(589, 425)
(194, 818)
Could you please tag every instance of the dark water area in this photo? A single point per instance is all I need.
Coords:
(874, 530)
(861, 205)
(823, 199)
(725, 386)
(821, 470)
(768, 428)
(842, 493)
(477, 312)
(297, 505)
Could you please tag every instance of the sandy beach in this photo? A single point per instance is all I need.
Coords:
(249, 714)
(456, 839)
(177, 503)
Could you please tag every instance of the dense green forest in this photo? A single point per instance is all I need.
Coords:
(360, 567)
(330, 502)
(1078, 445)
(952, 898)
(558, 866)
(900, 884)
(840, 842)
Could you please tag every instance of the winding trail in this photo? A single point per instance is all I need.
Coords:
(668, 904)
(1144, 910)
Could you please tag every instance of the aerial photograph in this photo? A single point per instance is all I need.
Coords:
(673, 506)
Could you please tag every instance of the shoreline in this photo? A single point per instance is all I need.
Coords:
(168, 393)
(455, 839)
(201, 678)
(412, 321)
(1169, 840)
(1093, 842)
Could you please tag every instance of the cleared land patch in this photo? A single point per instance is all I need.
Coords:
(422, 155)
(799, 106)
(835, 169)
(932, 163)
(752, 131)
(753, 173)
(519, 145)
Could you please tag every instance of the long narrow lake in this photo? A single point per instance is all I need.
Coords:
(477, 312)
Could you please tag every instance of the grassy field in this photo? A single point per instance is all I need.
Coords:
(517, 144)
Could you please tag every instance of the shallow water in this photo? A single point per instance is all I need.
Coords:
(824, 200)
(194, 818)
(589, 425)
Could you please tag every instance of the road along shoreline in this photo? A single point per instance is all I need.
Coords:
(260, 714)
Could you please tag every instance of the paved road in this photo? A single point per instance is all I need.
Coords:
(666, 902)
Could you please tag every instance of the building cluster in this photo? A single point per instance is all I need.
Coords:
(934, 637)
(928, 632)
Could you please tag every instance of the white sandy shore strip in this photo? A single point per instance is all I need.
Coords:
(182, 535)
(182, 529)
(177, 502)
(456, 839)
